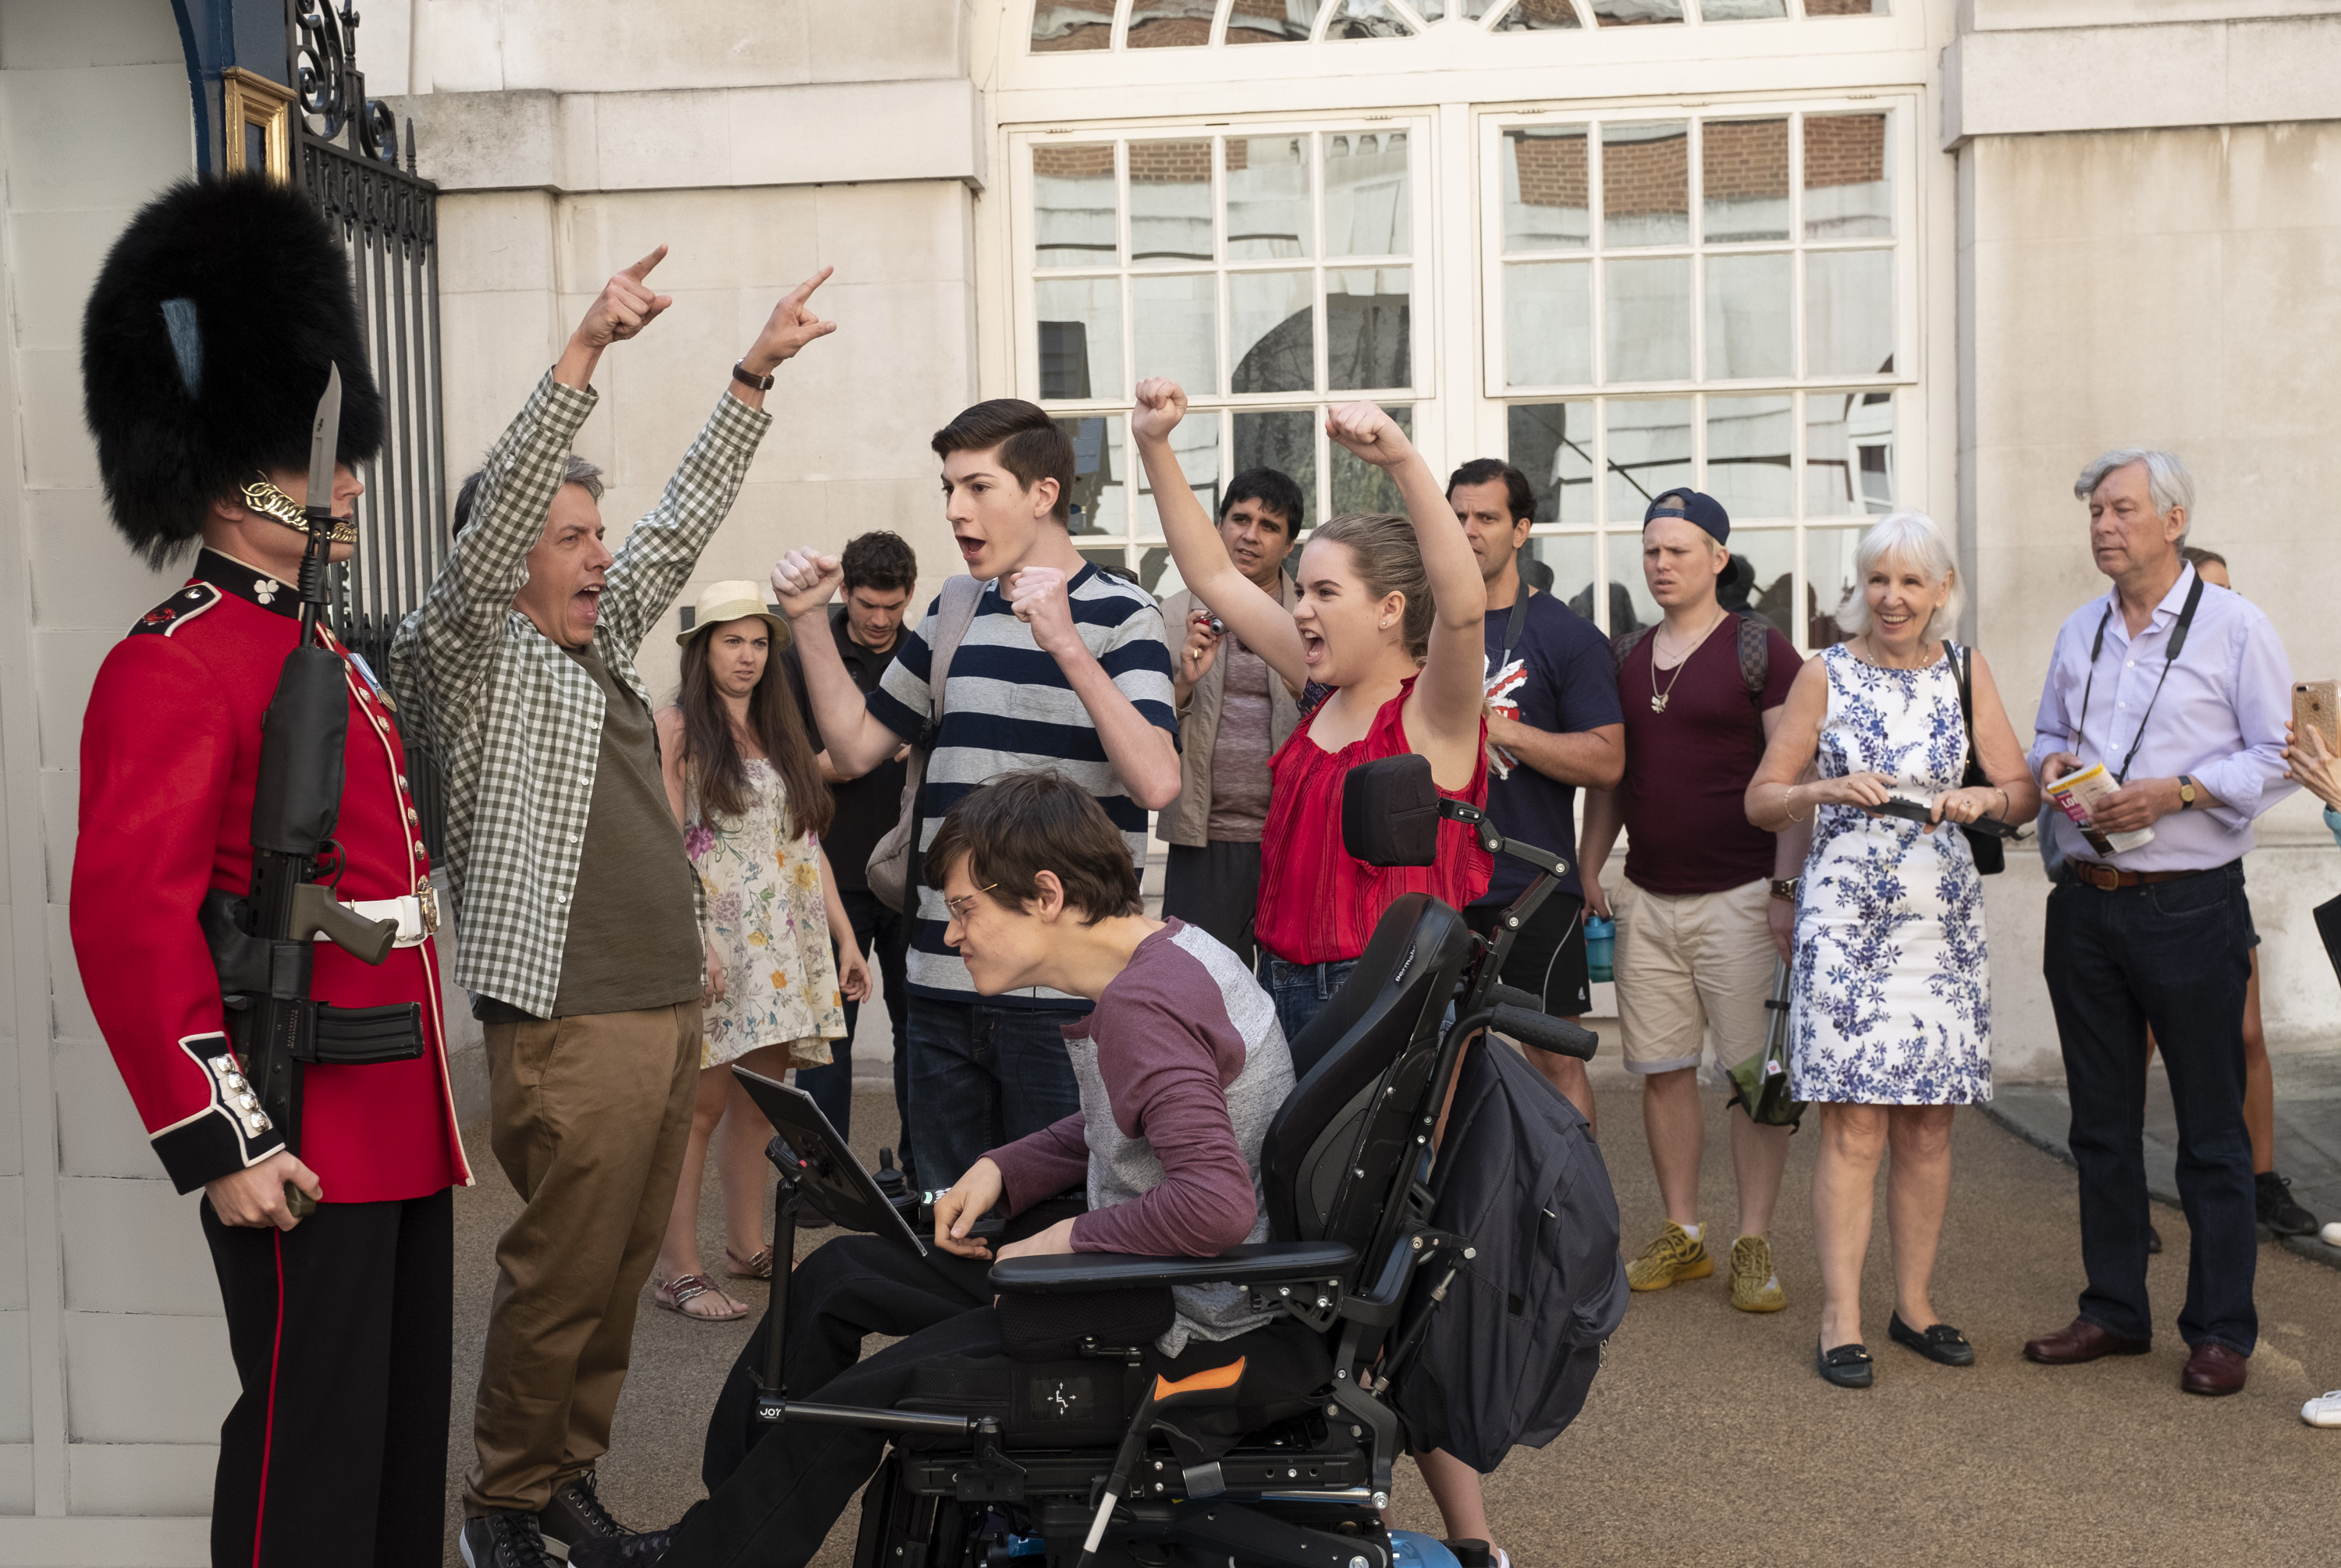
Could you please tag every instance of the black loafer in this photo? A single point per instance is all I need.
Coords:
(1940, 1342)
(1847, 1365)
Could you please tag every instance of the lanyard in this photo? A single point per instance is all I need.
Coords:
(2098, 646)
(1512, 625)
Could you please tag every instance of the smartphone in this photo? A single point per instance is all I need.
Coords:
(1919, 811)
(2316, 705)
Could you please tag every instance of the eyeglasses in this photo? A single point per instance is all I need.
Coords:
(960, 907)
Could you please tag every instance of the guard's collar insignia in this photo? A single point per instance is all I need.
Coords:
(248, 583)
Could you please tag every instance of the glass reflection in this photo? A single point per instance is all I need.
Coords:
(1845, 7)
(1848, 194)
(1552, 443)
(1281, 439)
(1645, 320)
(1849, 312)
(1175, 323)
(1848, 453)
(1272, 21)
(1546, 187)
(1564, 565)
(1747, 332)
(1358, 485)
(1061, 26)
(1649, 452)
(1762, 576)
(1368, 313)
(1828, 581)
(1741, 10)
(1743, 181)
(1548, 323)
(1268, 197)
(1170, 24)
(1538, 16)
(1635, 13)
(1171, 200)
(1751, 453)
(1366, 212)
(1100, 498)
(1645, 183)
(1073, 206)
(1631, 605)
(1366, 19)
(1196, 442)
(1080, 336)
(1272, 332)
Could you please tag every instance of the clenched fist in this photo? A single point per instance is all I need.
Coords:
(1162, 404)
(1370, 434)
(804, 580)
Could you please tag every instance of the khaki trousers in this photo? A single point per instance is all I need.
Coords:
(590, 1118)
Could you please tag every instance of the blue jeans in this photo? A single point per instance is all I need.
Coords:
(1302, 990)
(2172, 955)
(984, 1076)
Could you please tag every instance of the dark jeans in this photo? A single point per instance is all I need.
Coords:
(881, 934)
(2173, 955)
(1215, 886)
(984, 1075)
(1302, 990)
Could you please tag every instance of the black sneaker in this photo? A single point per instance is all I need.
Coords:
(576, 1513)
(646, 1550)
(505, 1539)
(2278, 1211)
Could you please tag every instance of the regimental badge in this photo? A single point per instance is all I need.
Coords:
(175, 612)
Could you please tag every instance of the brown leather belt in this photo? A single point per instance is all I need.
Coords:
(2108, 878)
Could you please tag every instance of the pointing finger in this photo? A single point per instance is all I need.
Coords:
(803, 290)
(641, 269)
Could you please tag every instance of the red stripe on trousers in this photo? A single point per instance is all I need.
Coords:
(268, 1432)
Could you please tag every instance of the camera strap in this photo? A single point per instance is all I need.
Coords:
(2098, 646)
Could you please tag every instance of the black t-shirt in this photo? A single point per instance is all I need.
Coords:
(1560, 677)
(868, 806)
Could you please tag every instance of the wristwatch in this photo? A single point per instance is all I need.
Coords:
(2186, 792)
(747, 378)
(1784, 888)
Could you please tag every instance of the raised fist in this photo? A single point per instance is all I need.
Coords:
(804, 580)
(1162, 404)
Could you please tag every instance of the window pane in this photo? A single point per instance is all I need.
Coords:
(1366, 19)
(1762, 577)
(1848, 195)
(1748, 316)
(1545, 186)
(1744, 180)
(1740, 10)
(1538, 16)
(1360, 486)
(1268, 197)
(1170, 24)
(1176, 324)
(1059, 25)
(1750, 450)
(1430, 10)
(1272, 21)
(1649, 453)
(1849, 312)
(1366, 212)
(1171, 200)
(1284, 440)
(1100, 498)
(1196, 442)
(1272, 337)
(1645, 320)
(1080, 336)
(1548, 323)
(1845, 7)
(1631, 607)
(1848, 453)
(1552, 443)
(1645, 183)
(1635, 13)
(1367, 328)
(1072, 206)
(1828, 581)
(1562, 565)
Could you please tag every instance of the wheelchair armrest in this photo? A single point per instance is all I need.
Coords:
(1254, 1263)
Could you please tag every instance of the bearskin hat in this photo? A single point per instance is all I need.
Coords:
(204, 349)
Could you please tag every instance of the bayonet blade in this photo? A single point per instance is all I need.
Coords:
(324, 441)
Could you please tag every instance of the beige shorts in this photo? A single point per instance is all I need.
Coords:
(1692, 968)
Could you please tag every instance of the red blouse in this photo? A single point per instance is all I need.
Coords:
(1319, 905)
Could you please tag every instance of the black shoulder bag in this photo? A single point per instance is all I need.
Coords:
(1990, 852)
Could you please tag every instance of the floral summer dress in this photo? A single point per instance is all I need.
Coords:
(1892, 998)
(769, 924)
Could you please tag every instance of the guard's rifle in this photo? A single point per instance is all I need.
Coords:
(264, 943)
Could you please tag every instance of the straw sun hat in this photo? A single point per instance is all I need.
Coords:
(733, 600)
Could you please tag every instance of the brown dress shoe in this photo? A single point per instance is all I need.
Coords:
(2082, 1341)
(2213, 1369)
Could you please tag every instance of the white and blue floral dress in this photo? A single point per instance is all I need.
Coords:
(1892, 992)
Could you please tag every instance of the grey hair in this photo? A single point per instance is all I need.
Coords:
(577, 471)
(1909, 536)
(2167, 481)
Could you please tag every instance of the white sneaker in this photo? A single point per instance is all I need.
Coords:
(2324, 1410)
(2331, 1235)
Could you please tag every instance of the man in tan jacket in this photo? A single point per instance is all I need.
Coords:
(1233, 713)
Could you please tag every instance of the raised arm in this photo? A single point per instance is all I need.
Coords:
(1262, 624)
(855, 739)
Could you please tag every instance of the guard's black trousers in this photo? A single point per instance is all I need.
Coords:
(342, 1330)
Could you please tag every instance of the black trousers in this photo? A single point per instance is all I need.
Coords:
(1216, 888)
(883, 935)
(343, 1331)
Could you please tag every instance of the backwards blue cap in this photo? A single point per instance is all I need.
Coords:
(1693, 507)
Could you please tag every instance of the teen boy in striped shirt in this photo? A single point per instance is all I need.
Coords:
(1062, 667)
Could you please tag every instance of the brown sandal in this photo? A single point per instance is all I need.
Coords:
(676, 1295)
(757, 1268)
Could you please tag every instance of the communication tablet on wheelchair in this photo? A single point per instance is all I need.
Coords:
(823, 1171)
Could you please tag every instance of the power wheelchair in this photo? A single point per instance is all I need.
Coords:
(1092, 1460)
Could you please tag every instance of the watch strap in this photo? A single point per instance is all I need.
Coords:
(747, 378)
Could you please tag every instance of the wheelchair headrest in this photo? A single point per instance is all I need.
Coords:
(1390, 811)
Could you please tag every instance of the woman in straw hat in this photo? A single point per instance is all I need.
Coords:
(743, 780)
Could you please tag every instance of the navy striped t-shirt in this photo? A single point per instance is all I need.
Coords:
(1007, 706)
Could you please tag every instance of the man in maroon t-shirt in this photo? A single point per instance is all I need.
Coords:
(1707, 901)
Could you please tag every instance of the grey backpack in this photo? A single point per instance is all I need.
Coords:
(890, 872)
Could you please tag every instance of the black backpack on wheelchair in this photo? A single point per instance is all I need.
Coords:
(1275, 1448)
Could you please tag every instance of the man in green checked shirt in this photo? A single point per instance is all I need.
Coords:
(579, 909)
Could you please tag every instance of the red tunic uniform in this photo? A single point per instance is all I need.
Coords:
(170, 756)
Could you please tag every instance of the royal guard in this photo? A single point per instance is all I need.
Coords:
(301, 1083)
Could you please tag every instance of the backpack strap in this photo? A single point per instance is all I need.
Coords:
(1755, 656)
(1622, 646)
(954, 613)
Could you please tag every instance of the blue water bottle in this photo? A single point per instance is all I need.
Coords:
(1600, 946)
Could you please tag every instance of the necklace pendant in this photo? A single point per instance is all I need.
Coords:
(1657, 702)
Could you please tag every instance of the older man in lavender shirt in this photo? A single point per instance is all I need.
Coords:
(2182, 690)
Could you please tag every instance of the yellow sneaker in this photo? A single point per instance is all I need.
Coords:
(1754, 1287)
(1676, 1256)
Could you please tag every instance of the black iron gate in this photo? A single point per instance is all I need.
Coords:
(345, 154)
